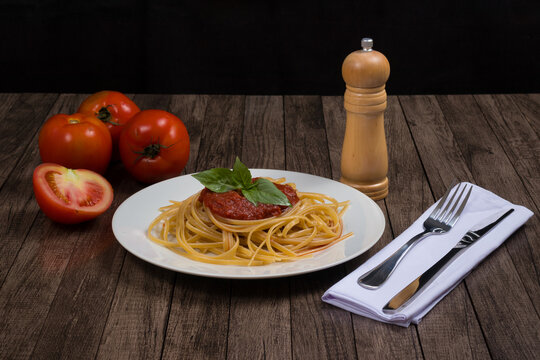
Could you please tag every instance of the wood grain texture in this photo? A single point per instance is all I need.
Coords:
(426, 122)
(473, 159)
(335, 120)
(199, 318)
(263, 141)
(18, 205)
(312, 320)
(191, 109)
(222, 132)
(517, 137)
(7, 100)
(260, 320)
(529, 104)
(18, 126)
(305, 136)
(31, 285)
(136, 323)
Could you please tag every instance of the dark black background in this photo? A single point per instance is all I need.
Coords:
(266, 47)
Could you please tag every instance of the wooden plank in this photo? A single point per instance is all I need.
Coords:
(222, 131)
(516, 136)
(42, 249)
(449, 148)
(263, 142)
(191, 109)
(260, 310)
(426, 123)
(22, 117)
(31, 285)
(139, 308)
(305, 136)
(260, 320)
(199, 317)
(335, 120)
(529, 104)
(6, 102)
(319, 330)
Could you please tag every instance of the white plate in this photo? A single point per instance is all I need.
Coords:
(364, 218)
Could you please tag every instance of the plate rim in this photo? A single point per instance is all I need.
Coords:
(282, 173)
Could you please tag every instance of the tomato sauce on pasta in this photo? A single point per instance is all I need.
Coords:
(232, 205)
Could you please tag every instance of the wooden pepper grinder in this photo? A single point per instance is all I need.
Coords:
(364, 158)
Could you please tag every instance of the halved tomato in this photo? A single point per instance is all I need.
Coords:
(71, 196)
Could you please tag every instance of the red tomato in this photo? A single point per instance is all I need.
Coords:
(76, 141)
(71, 196)
(113, 108)
(154, 146)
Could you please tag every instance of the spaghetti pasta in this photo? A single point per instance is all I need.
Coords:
(190, 229)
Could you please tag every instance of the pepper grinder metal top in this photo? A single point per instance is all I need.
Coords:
(367, 44)
(364, 157)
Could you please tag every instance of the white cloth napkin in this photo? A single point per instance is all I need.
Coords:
(347, 294)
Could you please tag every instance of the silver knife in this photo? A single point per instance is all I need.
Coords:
(411, 291)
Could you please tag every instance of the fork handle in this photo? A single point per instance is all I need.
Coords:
(378, 275)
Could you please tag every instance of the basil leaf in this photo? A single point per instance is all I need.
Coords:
(218, 179)
(251, 195)
(241, 175)
(221, 180)
(265, 192)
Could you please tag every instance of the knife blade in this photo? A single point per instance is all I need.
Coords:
(416, 287)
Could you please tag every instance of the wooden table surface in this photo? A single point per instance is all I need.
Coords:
(73, 292)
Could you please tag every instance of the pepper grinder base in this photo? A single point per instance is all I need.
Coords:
(376, 191)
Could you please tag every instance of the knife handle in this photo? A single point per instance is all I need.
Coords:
(411, 291)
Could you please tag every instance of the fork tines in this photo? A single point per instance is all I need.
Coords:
(449, 214)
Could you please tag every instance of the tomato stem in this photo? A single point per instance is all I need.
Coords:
(152, 150)
(105, 115)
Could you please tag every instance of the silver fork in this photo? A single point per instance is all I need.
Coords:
(440, 221)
